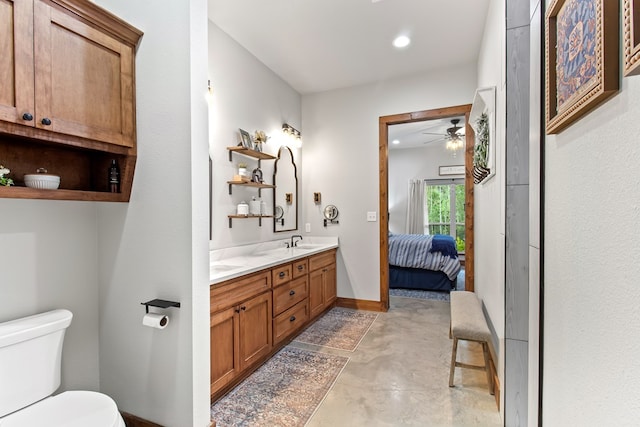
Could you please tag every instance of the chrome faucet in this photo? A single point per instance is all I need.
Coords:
(295, 243)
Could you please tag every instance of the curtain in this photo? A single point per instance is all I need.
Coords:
(415, 207)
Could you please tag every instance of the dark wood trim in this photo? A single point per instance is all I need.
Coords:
(360, 304)
(133, 421)
(383, 123)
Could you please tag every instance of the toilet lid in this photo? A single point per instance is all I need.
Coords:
(68, 409)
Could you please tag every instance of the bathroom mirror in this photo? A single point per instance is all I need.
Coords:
(285, 200)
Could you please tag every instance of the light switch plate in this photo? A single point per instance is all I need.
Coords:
(372, 216)
(307, 227)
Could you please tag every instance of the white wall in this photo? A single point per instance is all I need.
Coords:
(247, 95)
(414, 163)
(49, 260)
(155, 246)
(340, 130)
(592, 321)
(489, 197)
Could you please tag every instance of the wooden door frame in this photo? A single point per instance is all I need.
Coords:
(384, 122)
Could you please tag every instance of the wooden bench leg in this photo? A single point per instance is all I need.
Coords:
(487, 366)
(454, 351)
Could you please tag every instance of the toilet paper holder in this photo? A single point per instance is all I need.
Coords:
(160, 303)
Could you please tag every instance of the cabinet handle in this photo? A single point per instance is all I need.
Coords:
(281, 274)
(292, 293)
(292, 318)
(27, 117)
(243, 308)
(46, 121)
(237, 310)
(300, 267)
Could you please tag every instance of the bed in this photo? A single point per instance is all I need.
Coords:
(425, 262)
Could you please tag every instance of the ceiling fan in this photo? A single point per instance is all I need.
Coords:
(453, 136)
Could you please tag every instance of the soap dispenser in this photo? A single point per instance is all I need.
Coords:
(243, 208)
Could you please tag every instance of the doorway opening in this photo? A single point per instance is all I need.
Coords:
(419, 116)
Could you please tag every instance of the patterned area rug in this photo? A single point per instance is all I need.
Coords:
(339, 328)
(433, 295)
(285, 391)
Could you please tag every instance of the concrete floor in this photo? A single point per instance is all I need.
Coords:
(399, 375)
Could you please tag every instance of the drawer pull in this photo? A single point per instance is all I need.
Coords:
(282, 274)
(301, 267)
(292, 293)
(292, 318)
(46, 121)
(27, 117)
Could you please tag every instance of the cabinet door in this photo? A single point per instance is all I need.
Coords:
(316, 293)
(329, 282)
(84, 82)
(16, 61)
(225, 348)
(255, 329)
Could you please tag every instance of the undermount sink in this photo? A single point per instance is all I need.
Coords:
(307, 246)
(221, 268)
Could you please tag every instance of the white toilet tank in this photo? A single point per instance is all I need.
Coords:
(30, 358)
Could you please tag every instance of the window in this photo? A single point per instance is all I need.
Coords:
(444, 209)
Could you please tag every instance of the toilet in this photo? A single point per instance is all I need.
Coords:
(30, 362)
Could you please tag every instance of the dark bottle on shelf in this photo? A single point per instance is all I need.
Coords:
(114, 177)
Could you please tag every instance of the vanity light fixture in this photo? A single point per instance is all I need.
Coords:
(292, 134)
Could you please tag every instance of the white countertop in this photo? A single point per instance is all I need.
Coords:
(236, 261)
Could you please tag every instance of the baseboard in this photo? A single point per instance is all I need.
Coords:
(133, 421)
(360, 304)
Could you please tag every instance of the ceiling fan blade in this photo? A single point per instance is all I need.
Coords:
(433, 133)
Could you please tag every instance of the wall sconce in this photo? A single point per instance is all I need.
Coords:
(292, 134)
(288, 197)
(316, 198)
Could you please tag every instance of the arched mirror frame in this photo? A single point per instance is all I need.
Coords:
(277, 193)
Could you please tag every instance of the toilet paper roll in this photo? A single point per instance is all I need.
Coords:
(155, 320)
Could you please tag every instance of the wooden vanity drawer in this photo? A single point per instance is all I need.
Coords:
(289, 294)
(322, 260)
(300, 268)
(235, 291)
(281, 274)
(290, 321)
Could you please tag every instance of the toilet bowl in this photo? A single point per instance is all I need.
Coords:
(68, 409)
(30, 362)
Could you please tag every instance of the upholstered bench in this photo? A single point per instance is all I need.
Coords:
(468, 323)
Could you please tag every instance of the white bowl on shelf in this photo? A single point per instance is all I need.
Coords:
(42, 180)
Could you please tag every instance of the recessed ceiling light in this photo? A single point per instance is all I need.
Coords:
(395, 142)
(401, 41)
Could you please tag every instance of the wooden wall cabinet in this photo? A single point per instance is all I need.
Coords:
(67, 98)
(322, 282)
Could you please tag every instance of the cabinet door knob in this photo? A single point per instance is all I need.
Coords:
(237, 310)
(46, 121)
(292, 318)
(292, 293)
(27, 117)
(281, 274)
(243, 308)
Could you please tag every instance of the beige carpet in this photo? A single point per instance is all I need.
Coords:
(339, 328)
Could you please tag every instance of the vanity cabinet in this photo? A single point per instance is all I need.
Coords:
(240, 327)
(253, 316)
(67, 98)
(322, 282)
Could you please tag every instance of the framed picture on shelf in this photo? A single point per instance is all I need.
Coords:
(581, 51)
(631, 36)
(246, 139)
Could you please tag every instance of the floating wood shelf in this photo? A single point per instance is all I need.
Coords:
(257, 185)
(250, 153)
